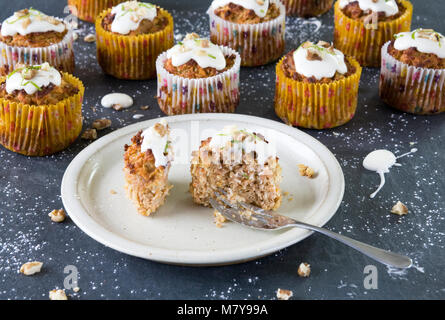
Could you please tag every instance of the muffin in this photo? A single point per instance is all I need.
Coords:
(130, 37)
(241, 163)
(307, 8)
(412, 77)
(147, 163)
(88, 10)
(40, 110)
(316, 86)
(31, 37)
(362, 27)
(198, 76)
(254, 28)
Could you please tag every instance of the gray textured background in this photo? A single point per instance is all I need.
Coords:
(30, 188)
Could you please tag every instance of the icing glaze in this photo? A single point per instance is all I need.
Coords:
(128, 15)
(159, 145)
(260, 7)
(424, 40)
(389, 7)
(32, 78)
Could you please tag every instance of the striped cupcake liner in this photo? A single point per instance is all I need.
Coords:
(178, 95)
(41, 130)
(364, 43)
(316, 105)
(132, 57)
(307, 8)
(258, 44)
(59, 55)
(88, 10)
(411, 89)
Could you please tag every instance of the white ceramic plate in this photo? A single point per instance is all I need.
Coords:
(181, 232)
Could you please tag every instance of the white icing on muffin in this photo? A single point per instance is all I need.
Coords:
(160, 145)
(32, 78)
(424, 40)
(128, 16)
(260, 7)
(389, 7)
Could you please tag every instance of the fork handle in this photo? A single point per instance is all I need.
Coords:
(386, 257)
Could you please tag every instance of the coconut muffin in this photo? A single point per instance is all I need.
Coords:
(412, 77)
(240, 162)
(307, 8)
(254, 28)
(31, 37)
(40, 110)
(87, 10)
(130, 36)
(316, 86)
(198, 76)
(147, 163)
(361, 27)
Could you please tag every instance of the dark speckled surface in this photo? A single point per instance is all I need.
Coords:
(30, 188)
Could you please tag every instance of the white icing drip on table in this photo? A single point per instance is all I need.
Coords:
(389, 7)
(381, 161)
(259, 6)
(128, 15)
(404, 40)
(158, 145)
(42, 78)
(38, 23)
(251, 143)
(325, 68)
(112, 99)
(211, 56)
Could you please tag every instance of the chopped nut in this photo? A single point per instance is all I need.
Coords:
(323, 44)
(30, 268)
(260, 2)
(76, 289)
(89, 134)
(191, 36)
(101, 124)
(89, 38)
(28, 73)
(306, 44)
(113, 191)
(284, 294)
(205, 43)
(117, 107)
(313, 55)
(144, 107)
(21, 13)
(304, 270)
(57, 215)
(219, 219)
(134, 18)
(399, 208)
(53, 20)
(306, 171)
(26, 22)
(160, 129)
(58, 294)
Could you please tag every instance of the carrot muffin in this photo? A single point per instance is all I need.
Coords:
(412, 77)
(147, 163)
(240, 162)
(130, 36)
(198, 76)
(316, 86)
(254, 28)
(31, 37)
(40, 110)
(88, 10)
(307, 8)
(361, 27)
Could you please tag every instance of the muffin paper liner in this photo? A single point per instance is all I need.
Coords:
(258, 44)
(316, 105)
(307, 8)
(364, 43)
(178, 95)
(411, 89)
(41, 130)
(88, 10)
(59, 55)
(132, 57)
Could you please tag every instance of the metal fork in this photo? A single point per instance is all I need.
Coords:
(257, 218)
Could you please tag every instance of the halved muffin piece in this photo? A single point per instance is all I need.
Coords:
(147, 163)
(240, 162)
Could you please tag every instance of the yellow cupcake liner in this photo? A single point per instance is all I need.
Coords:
(132, 57)
(362, 42)
(316, 105)
(258, 44)
(59, 55)
(411, 89)
(178, 95)
(88, 10)
(41, 130)
(307, 8)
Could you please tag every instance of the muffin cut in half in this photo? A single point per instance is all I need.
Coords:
(147, 163)
(240, 162)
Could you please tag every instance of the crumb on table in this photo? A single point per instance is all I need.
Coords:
(399, 208)
(304, 269)
(284, 294)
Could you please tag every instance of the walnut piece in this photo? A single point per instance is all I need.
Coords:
(306, 171)
(313, 55)
(76, 289)
(28, 73)
(191, 36)
(57, 294)
(399, 208)
(304, 269)
(30, 268)
(219, 219)
(89, 38)
(144, 107)
(160, 129)
(26, 22)
(57, 215)
(117, 107)
(284, 294)
(89, 134)
(100, 124)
